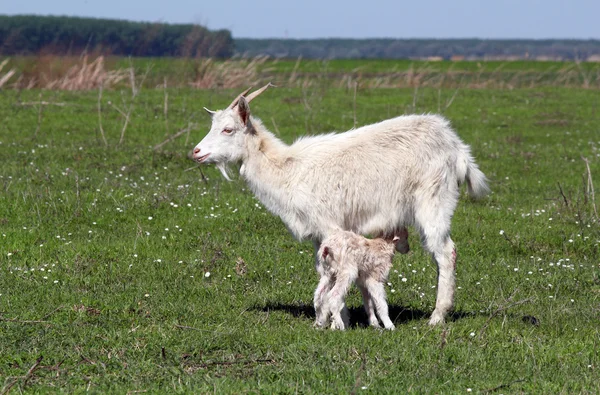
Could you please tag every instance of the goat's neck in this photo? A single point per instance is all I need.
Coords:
(266, 166)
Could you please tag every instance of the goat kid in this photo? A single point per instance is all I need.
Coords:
(345, 258)
(374, 180)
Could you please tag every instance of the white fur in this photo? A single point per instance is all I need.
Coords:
(344, 258)
(373, 180)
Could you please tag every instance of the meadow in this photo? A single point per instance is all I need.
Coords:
(126, 268)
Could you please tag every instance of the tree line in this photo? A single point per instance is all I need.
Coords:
(32, 34)
(419, 48)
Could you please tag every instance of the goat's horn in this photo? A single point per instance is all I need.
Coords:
(235, 101)
(258, 92)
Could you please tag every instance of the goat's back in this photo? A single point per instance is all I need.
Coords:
(367, 180)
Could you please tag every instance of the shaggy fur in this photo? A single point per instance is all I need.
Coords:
(374, 180)
(344, 258)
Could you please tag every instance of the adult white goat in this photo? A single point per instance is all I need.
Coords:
(374, 180)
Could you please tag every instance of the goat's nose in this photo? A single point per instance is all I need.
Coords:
(196, 150)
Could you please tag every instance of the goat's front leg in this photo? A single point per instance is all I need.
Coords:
(368, 302)
(376, 290)
(320, 301)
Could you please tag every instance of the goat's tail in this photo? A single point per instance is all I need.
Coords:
(467, 170)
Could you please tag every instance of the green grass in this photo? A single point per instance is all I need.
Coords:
(127, 271)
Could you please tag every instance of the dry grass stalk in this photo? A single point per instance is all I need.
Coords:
(354, 103)
(134, 94)
(6, 76)
(166, 107)
(87, 76)
(42, 103)
(232, 73)
(173, 137)
(25, 378)
(294, 74)
(100, 116)
(590, 186)
(39, 122)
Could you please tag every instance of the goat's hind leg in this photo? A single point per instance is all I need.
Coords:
(326, 281)
(335, 299)
(446, 262)
(444, 254)
(433, 221)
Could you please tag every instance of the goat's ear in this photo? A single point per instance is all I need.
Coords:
(243, 110)
(211, 112)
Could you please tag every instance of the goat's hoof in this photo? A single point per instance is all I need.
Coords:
(338, 327)
(436, 319)
(319, 325)
(375, 325)
(390, 327)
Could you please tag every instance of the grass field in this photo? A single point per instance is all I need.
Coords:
(123, 268)
(52, 71)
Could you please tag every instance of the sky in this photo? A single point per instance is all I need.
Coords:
(493, 19)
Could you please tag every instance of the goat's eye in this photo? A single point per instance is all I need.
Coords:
(227, 131)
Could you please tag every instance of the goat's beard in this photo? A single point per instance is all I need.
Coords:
(222, 166)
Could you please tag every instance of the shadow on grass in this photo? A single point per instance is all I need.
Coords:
(358, 317)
